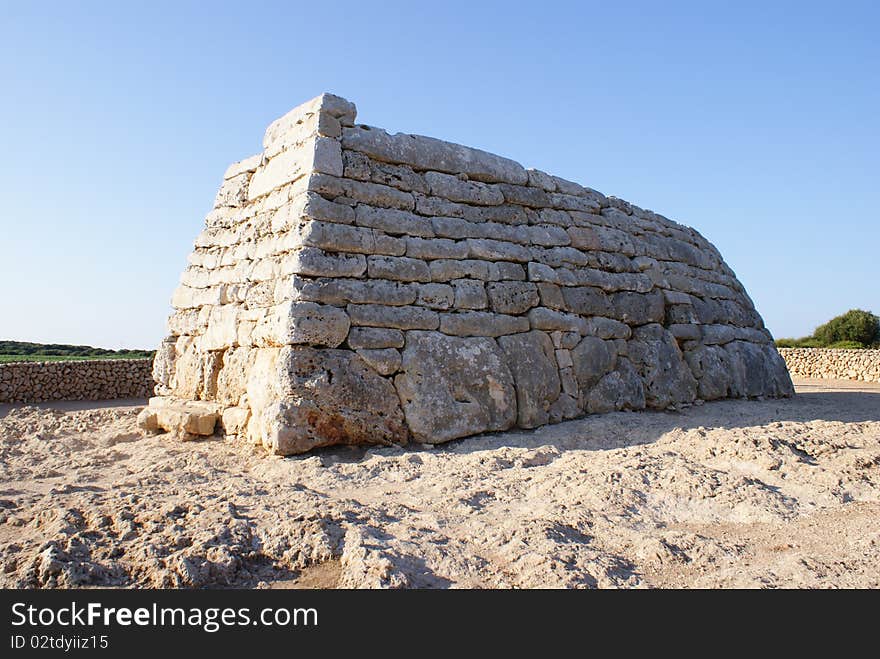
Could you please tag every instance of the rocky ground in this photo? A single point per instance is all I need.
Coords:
(728, 494)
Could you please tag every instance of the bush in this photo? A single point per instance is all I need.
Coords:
(855, 326)
(805, 342)
(846, 345)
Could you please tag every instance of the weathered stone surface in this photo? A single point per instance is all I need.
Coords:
(398, 268)
(668, 380)
(186, 419)
(427, 153)
(436, 296)
(622, 389)
(470, 294)
(377, 315)
(481, 323)
(384, 361)
(394, 221)
(330, 397)
(525, 298)
(530, 358)
(592, 359)
(512, 297)
(469, 192)
(452, 387)
(303, 323)
(436, 248)
(374, 338)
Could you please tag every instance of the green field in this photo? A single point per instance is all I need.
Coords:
(19, 351)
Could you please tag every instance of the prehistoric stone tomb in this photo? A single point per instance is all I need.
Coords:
(352, 286)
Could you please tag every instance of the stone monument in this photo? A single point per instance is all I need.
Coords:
(353, 286)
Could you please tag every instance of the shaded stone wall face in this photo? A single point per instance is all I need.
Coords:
(104, 379)
(861, 365)
(354, 286)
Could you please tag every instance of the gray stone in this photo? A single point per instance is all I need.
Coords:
(510, 271)
(481, 323)
(548, 319)
(398, 268)
(469, 192)
(666, 376)
(586, 301)
(452, 387)
(331, 397)
(497, 250)
(436, 296)
(512, 297)
(393, 221)
(607, 328)
(530, 358)
(525, 196)
(622, 389)
(374, 338)
(427, 153)
(711, 367)
(384, 361)
(315, 262)
(381, 196)
(341, 291)
(551, 296)
(405, 318)
(436, 248)
(444, 270)
(592, 359)
(470, 294)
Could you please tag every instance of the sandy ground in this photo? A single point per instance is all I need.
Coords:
(727, 494)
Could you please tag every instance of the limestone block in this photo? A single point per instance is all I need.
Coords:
(497, 250)
(384, 361)
(530, 358)
(464, 191)
(470, 294)
(404, 318)
(548, 320)
(452, 387)
(330, 397)
(435, 248)
(315, 262)
(340, 291)
(512, 297)
(396, 222)
(444, 270)
(184, 418)
(622, 389)
(436, 296)
(398, 268)
(372, 194)
(667, 378)
(303, 323)
(607, 328)
(592, 359)
(374, 338)
(510, 271)
(427, 153)
(361, 167)
(481, 323)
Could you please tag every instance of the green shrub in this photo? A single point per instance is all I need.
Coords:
(846, 345)
(855, 325)
(805, 342)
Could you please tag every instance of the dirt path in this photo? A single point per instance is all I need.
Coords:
(732, 493)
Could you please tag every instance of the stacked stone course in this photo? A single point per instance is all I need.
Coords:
(90, 379)
(354, 286)
(863, 365)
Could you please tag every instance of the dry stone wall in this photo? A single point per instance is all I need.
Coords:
(355, 286)
(90, 379)
(863, 365)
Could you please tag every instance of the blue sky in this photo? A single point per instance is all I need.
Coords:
(756, 123)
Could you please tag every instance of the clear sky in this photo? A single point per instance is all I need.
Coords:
(758, 123)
